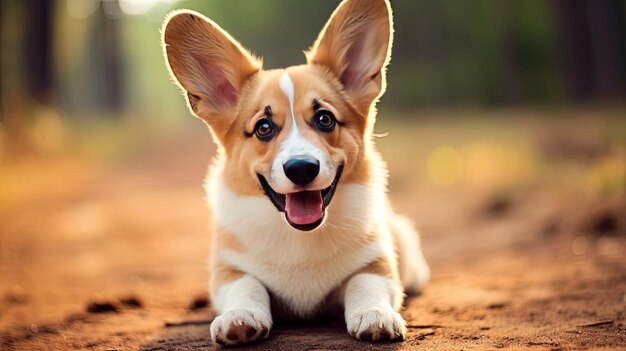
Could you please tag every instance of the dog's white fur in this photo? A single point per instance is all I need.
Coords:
(296, 146)
(244, 301)
(364, 256)
(302, 269)
(372, 300)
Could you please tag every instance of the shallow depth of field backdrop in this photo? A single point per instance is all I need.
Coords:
(504, 127)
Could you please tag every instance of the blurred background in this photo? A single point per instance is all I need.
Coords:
(504, 122)
(75, 72)
(69, 64)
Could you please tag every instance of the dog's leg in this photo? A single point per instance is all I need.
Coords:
(413, 268)
(371, 300)
(245, 315)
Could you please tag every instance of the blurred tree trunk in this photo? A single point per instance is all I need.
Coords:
(576, 48)
(606, 29)
(106, 54)
(37, 50)
(593, 47)
(511, 85)
(26, 67)
(2, 112)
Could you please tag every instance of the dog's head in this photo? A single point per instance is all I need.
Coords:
(292, 133)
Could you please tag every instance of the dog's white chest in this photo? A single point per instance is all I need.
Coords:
(299, 268)
(303, 287)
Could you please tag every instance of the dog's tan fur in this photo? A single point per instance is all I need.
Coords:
(364, 254)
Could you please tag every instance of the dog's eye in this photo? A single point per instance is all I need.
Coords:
(325, 121)
(264, 130)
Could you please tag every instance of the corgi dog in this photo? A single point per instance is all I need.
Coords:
(300, 219)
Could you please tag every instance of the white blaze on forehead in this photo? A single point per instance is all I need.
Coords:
(286, 85)
(297, 145)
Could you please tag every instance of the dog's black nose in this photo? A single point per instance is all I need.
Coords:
(302, 170)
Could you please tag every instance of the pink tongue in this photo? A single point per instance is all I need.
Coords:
(304, 207)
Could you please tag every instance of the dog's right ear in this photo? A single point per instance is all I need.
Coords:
(355, 45)
(208, 64)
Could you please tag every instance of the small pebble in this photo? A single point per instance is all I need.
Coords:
(17, 294)
(101, 307)
(499, 205)
(132, 302)
(604, 224)
(199, 303)
(550, 229)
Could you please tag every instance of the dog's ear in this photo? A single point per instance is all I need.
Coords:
(208, 64)
(355, 44)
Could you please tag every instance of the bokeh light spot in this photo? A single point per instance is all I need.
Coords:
(445, 166)
(81, 9)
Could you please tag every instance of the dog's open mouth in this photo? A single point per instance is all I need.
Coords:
(304, 210)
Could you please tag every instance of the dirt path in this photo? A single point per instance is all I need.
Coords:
(540, 272)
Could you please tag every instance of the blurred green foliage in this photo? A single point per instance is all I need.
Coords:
(103, 57)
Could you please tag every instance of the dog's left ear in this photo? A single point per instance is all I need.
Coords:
(355, 45)
(208, 64)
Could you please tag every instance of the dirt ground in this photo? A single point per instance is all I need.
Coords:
(114, 257)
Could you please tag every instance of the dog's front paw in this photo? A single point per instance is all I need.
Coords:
(376, 324)
(240, 326)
